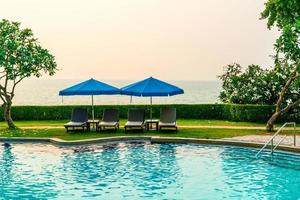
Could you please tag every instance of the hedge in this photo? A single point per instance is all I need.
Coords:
(230, 112)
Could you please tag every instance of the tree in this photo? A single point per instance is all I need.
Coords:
(21, 56)
(285, 15)
(243, 87)
(255, 85)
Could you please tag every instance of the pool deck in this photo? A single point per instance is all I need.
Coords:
(288, 141)
(245, 141)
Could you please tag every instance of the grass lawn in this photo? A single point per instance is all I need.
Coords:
(55, 129)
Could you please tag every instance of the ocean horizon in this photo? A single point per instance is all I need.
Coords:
(45, 92)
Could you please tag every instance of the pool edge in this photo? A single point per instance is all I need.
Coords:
(153, 139)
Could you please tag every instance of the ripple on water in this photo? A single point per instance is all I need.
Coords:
(145, 171)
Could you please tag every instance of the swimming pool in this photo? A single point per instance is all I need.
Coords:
(145, 171)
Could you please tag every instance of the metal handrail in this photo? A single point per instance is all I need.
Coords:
(279, 142)
(271, 140)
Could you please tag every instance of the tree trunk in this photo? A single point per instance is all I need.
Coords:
(7, 116)
(272, 120)
(278, 113)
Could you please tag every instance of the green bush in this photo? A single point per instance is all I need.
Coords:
(248, 113)
(230, 112)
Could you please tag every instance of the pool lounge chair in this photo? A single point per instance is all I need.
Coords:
(167, 119)
(110, 119)
(136, 119)
(79, 118)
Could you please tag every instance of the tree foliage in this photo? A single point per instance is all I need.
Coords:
(281, 12)
(255, 85)
(279, 85)
(21, 56)
(285, 15)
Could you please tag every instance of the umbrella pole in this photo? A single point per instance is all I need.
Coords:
(93, 113)
(151, 111)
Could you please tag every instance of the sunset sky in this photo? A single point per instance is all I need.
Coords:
(134, 39)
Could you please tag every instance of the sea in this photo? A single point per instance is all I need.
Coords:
(45, 92)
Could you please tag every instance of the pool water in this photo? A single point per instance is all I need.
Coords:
(145, 171)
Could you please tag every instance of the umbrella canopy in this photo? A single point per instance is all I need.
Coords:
(151, 87)
(90, 87)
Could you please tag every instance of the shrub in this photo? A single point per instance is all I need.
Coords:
(230, 112)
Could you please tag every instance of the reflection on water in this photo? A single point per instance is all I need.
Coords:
(259, 180)
(142, 171)
(152, 173)
(27, 173)
(6, 164)
(132, 170)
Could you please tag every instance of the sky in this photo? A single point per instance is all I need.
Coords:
(135, 39)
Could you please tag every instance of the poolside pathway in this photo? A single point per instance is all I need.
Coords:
(289, 140)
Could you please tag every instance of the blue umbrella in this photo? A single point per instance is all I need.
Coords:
(151, 87)
(90, 87)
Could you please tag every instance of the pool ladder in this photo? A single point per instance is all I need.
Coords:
(271, 140)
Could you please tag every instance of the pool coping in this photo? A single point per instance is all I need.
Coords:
(152, 139)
